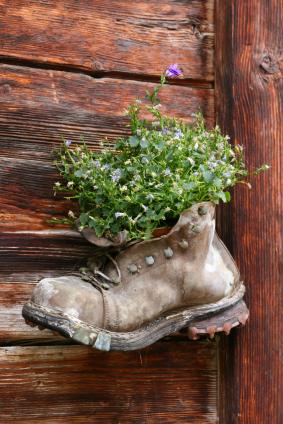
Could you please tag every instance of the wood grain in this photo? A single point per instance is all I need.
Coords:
(165, 383)
(13, 329)
(41, 251)
(249, 106)
(111, 36)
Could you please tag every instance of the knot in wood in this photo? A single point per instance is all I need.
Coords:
(269, 64)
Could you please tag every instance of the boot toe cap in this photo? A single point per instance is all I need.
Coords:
(72, 296)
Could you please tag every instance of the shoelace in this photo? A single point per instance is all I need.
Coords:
(97, 278)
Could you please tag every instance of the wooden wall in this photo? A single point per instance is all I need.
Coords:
(69, 68)
(249, 105)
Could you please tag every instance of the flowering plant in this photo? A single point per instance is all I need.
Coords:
(147, 179)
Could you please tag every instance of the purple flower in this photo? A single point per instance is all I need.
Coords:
(116, 175)
(165, 131)
(178, 134)
(106, 166)
(173, 71)
(68, 143)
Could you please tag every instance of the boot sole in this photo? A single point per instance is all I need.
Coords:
(201, 320)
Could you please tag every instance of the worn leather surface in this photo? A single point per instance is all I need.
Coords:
(188, 266)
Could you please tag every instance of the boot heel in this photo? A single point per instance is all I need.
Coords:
(222, 322)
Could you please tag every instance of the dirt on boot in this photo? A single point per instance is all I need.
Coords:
(149, 290)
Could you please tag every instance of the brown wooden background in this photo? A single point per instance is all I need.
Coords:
(69, 68)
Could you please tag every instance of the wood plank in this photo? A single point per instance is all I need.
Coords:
(13, 329)
(111, 35)
(38, 107)
(249, 107)
(165, 383)
(27, 198)
(33, 251)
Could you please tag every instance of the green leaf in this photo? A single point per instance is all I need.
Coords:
(228, 196)
(83, 218)
(217, 182)
(189, 186)
(222, 196)
(208, 176)
(79, 173)
(160, 145)
(134, 141)
(144, 143)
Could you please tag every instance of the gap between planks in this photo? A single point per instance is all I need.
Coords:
(25, 63)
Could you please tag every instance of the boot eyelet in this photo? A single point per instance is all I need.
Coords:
(183, 244)
(133, 269)
(202, 210)
(196, 229)
(168, 252)
(149, 260)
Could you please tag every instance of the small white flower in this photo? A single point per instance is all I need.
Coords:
(192, 162)
(150, 196)
(57, 184)
(70, 184)
(128, 162)
(124, 188)
(71, 214)
(119, 214)
(196, 146)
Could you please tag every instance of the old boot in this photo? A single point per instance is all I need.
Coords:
(151, 289)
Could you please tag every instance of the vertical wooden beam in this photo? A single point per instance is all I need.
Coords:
(249, 106)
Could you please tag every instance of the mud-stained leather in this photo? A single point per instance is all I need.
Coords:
(190, 266)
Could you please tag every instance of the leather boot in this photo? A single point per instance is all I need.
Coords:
(150, 289)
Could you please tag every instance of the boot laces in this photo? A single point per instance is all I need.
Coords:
(98, 278)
